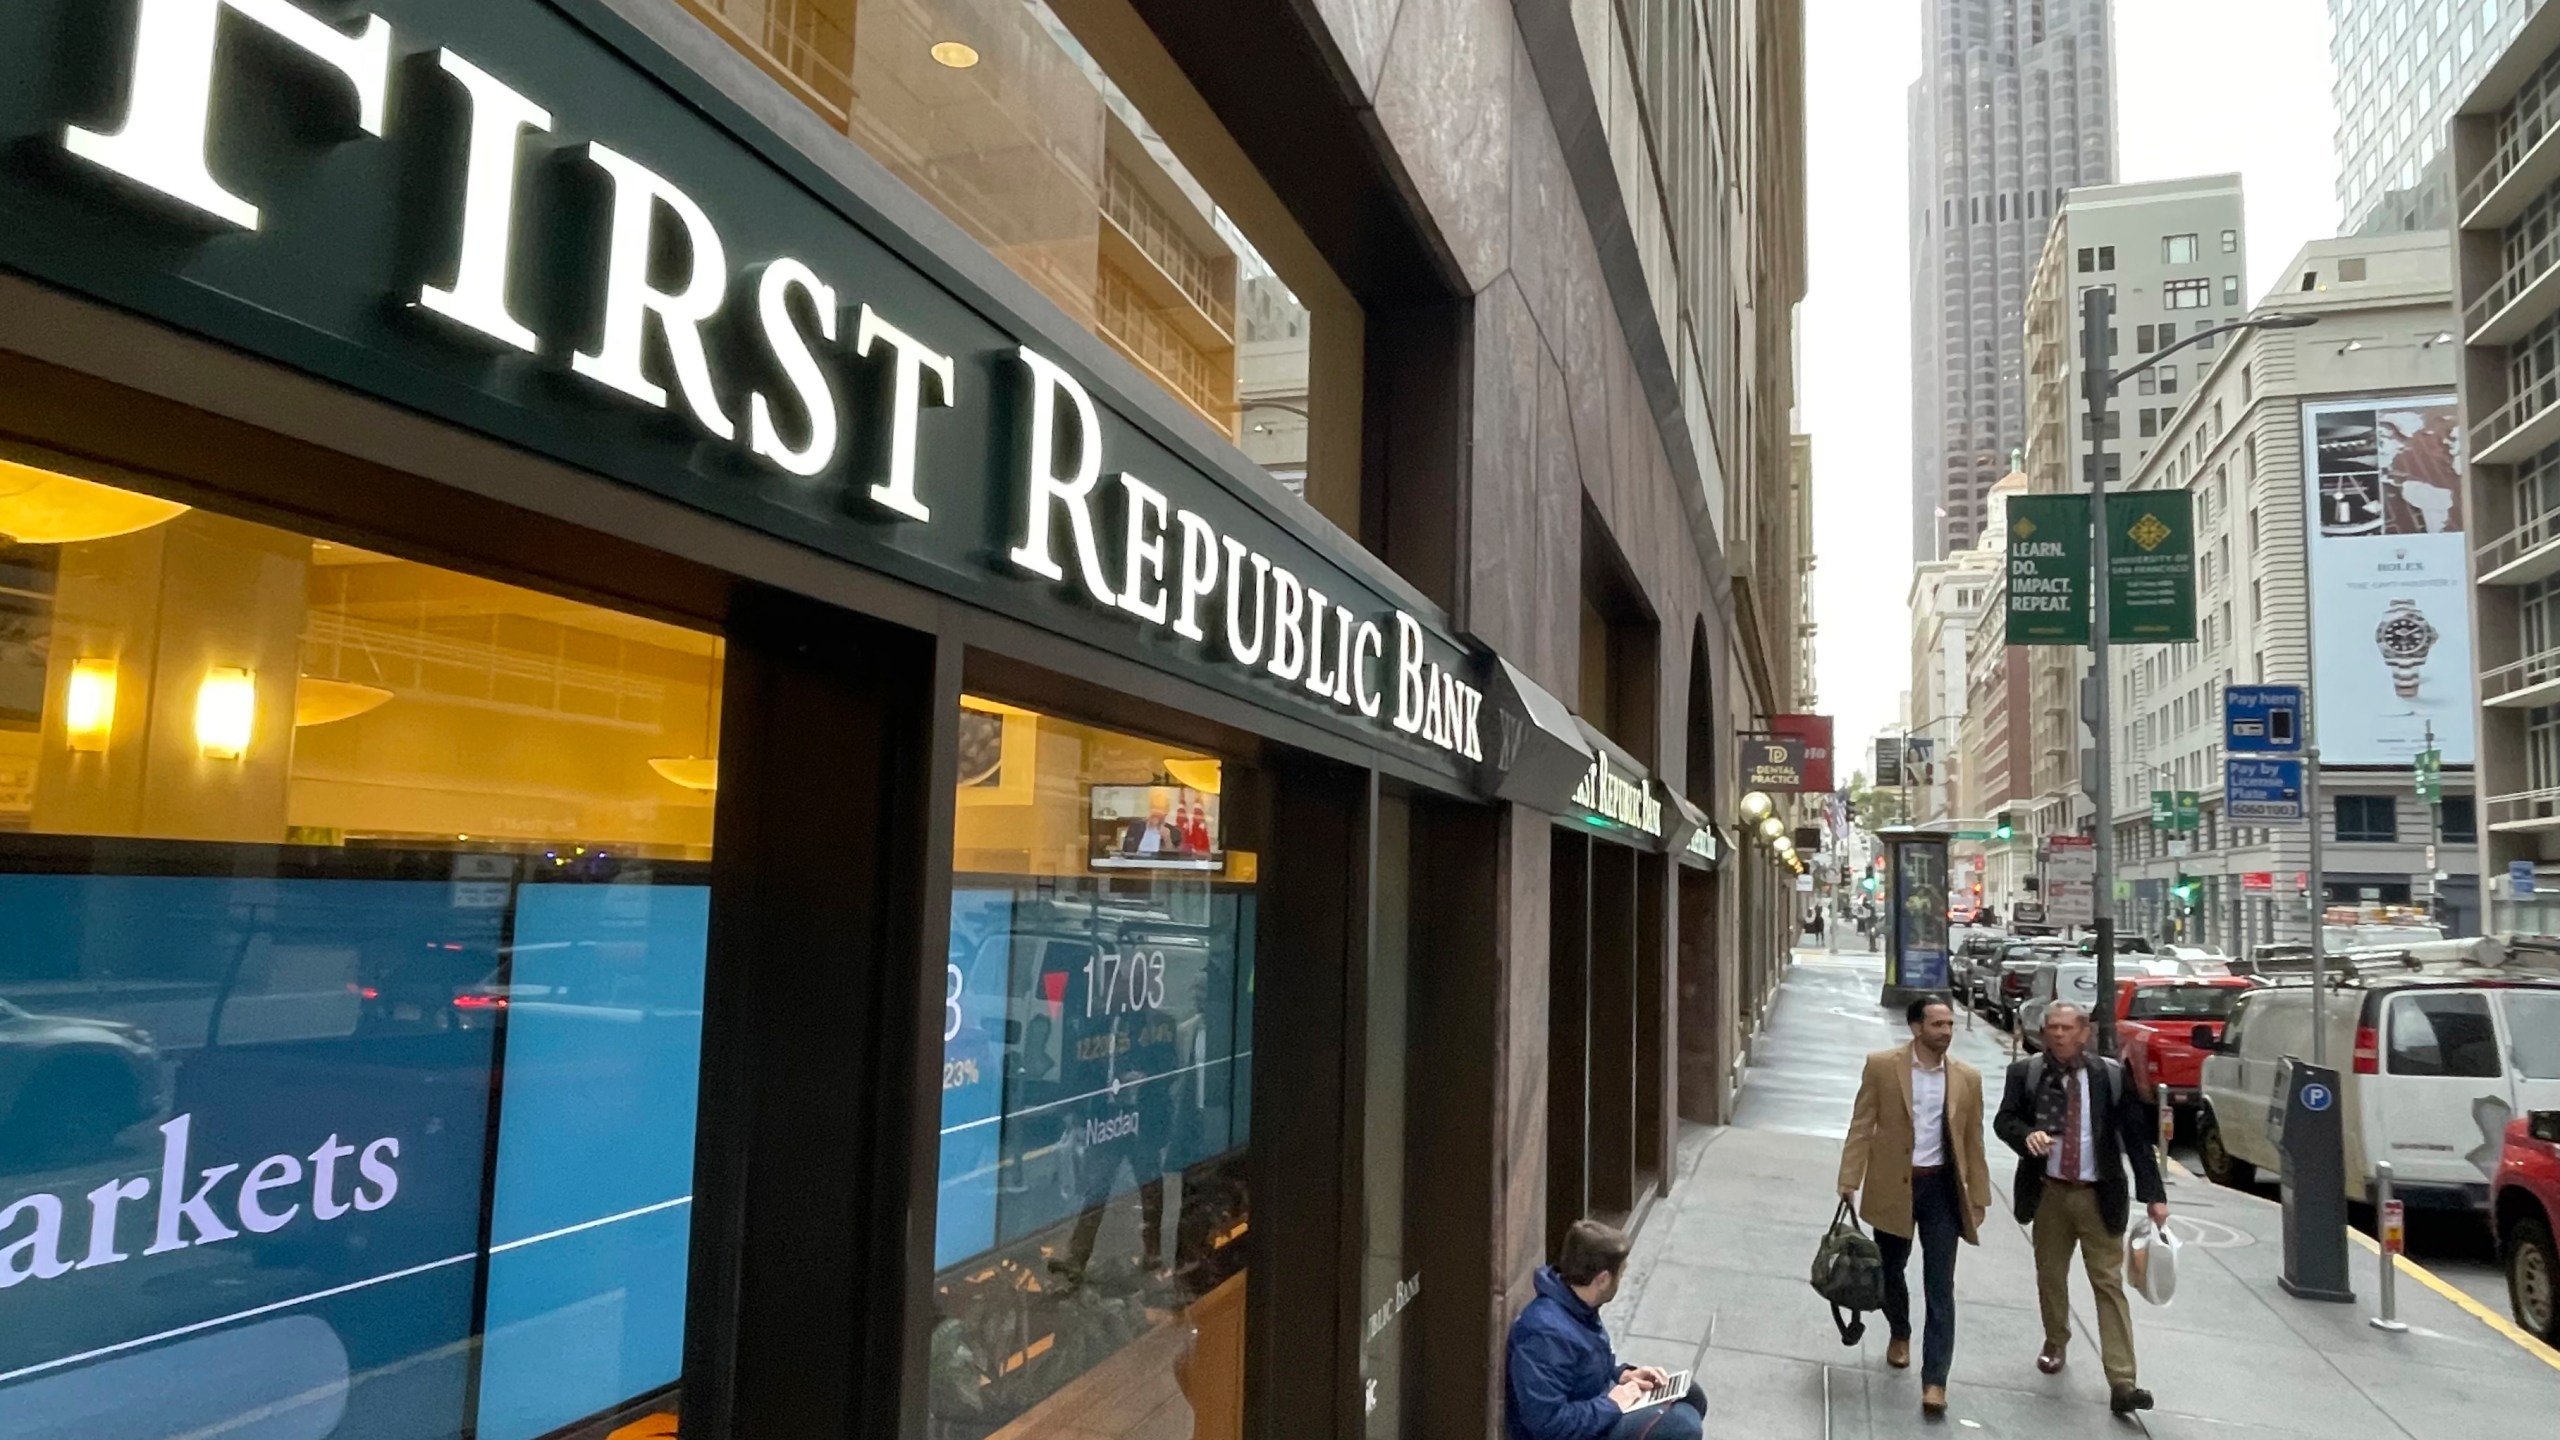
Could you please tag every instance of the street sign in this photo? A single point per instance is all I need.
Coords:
(2430, 770)
(2262, 789)
(2151, 566)
(2071, 880)
(2258, 880)
(2262, 719)
(2190, 812)
(2520, 879)
(2164, 809)
(2048, 570)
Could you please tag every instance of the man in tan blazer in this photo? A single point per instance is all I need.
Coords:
(1915, 1149)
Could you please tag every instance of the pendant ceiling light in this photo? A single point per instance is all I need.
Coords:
(46, 507)
(701, 772)
(325, 702)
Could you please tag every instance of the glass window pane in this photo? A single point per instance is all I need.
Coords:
(302, 846)
(1097, 1088)
(2533, 1019)
(2446, 1034)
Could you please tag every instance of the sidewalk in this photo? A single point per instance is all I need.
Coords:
(1718, 1281)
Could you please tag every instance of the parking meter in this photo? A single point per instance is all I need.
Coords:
(2312, 1142)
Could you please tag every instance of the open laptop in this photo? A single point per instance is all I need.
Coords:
(1671, 1389)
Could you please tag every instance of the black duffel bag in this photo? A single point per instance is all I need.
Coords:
(1848, 1273)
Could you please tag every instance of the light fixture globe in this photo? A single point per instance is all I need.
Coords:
(1757, 805)
(1771, 827)
(1784, 846)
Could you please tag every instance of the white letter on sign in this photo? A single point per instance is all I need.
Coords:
(171, 100)
(499, 118)
(629, 298)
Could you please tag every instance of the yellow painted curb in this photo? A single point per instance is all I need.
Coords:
(2474, 1308)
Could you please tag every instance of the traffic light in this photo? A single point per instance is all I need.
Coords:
(2003, 826)
(2186, 889)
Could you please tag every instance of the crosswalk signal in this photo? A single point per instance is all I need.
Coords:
(2002, 826)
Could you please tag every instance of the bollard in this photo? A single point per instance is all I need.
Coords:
(2389, 1219)
(2168, 1125)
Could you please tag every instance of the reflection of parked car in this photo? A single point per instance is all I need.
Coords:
(2526, 1204)
(68, 1084)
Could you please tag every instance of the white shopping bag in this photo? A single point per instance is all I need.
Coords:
(2151, 1261)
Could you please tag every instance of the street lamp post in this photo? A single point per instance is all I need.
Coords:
(2097, 309)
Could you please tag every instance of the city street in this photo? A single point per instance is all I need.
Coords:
(1718, 1283)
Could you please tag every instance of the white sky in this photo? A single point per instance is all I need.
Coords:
(2202, 86)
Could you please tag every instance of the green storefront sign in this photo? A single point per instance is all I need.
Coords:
(2048, 570)
(2151, 566)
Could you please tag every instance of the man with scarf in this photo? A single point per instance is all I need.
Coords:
(2075, 1121)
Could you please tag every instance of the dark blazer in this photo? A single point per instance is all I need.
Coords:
(2124, 1129)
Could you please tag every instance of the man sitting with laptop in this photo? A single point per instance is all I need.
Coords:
(1564, 1380)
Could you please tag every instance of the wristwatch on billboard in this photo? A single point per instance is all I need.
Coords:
(2405, 637)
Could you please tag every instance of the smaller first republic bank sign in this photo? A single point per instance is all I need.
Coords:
(586, 301)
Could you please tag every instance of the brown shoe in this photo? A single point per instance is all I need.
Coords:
(1933, 1400)
(1897, 1353)
(2049, 1360)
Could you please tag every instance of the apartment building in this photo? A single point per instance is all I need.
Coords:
(2506, 282)
(2014, 106)
(2171, 252)
(2330, 552)
(1946, 599)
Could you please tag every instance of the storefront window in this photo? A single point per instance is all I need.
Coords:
(1128, 207)
(1097, 1083)
(350, 1000)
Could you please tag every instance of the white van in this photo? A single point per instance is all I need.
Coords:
(2431, 1069)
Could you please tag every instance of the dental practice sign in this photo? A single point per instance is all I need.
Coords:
(523, 217)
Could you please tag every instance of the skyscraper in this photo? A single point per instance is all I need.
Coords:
(2396, 70)
(2014, 106)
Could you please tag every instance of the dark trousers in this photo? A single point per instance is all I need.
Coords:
(1682, 1419)
(1937, 1217)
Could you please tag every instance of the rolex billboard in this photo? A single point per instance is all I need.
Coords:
(2390, 612)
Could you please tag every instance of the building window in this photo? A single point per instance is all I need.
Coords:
(2168, 333)
(2367, 819)
(2115, 425)
(2230, 289)
(2088, 259)
(2148, 382)
(2460, 820)
(2351, 268)
(1097, 1063)
(2177, 249)
(2230, 241)
(2187, 294)
(312, 822)
(2142, 339)
(1111, 190)
(2106, 257)
(2150, 424)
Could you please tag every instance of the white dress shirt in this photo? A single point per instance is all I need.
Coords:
(2088, 1134)
(1928, 1113)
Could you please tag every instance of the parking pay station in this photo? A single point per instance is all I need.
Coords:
(2312, 1142)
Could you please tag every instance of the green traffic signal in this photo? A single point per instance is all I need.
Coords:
(2002, 827)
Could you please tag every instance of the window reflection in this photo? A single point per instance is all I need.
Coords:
(351, 1001)
(1096, 1090)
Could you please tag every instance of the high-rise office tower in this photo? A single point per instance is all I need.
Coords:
(2014, 106)
(2396, 69)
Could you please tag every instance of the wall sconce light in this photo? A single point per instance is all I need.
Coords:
(89, 705)
(1756, 805)
(226, 706)
(1772, 829)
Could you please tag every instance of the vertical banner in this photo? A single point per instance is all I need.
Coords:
(2048, 570)
(2151, 566)
(2390, 614)
(1889, 762)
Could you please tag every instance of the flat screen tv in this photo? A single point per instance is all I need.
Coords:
(1153, 827)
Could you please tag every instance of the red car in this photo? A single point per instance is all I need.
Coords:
(2156, 1020)
(2525, 1200)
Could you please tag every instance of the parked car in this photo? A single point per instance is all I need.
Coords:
(2525, 1204)
(2006, 990)
(2436, 1063)
(2157, 1019)
(1976, 955)
(2073, 980)
(2197, 960)
(2127, 943)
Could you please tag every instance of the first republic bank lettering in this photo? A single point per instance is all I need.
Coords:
(1173, 568)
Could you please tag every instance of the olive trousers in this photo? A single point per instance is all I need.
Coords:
(2067, 1218)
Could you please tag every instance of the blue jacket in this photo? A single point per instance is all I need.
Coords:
(1560, 1367)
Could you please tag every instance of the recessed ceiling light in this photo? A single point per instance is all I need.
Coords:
(955, 54)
